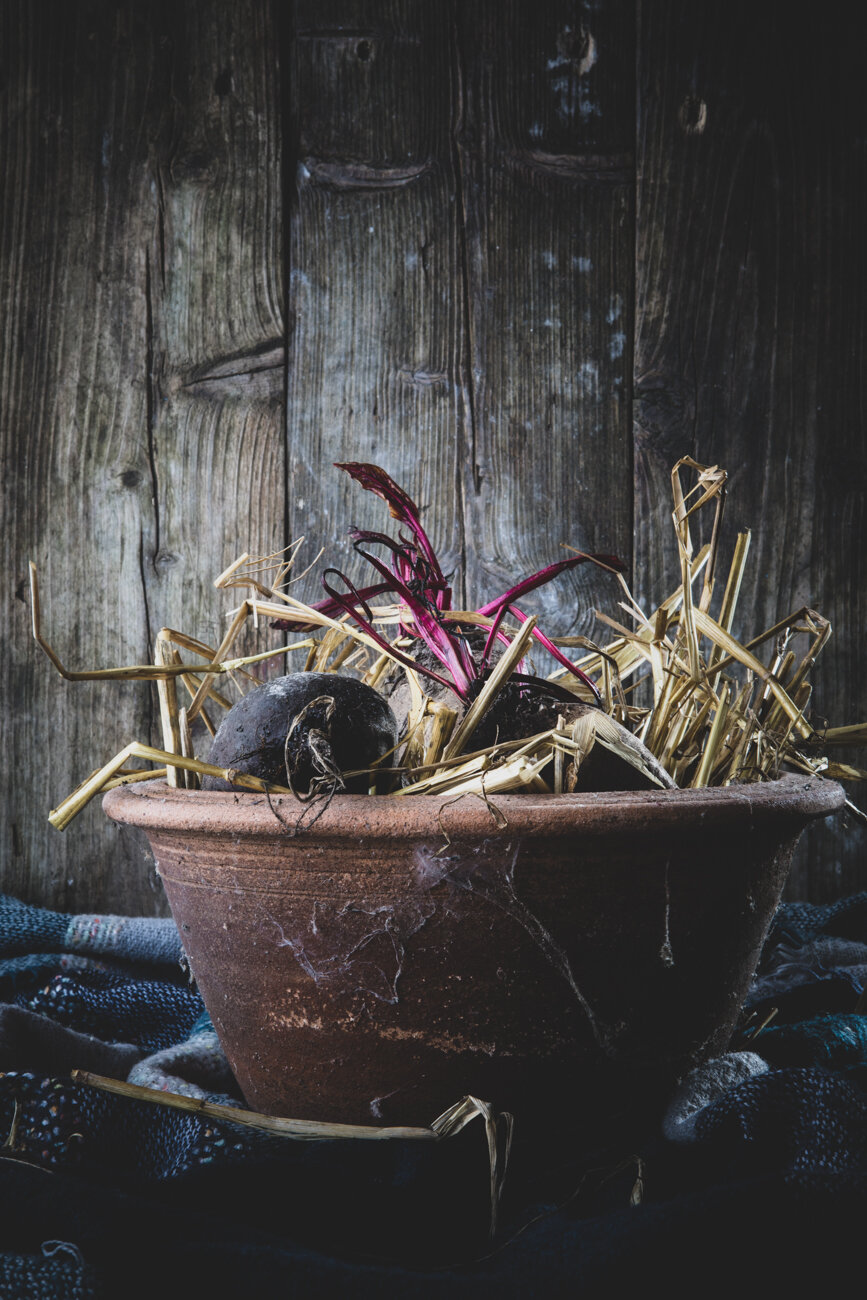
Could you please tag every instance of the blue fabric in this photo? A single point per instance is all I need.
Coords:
(25, 929)
(772, 1184)
(118, 1007)
(836, 1041)
(58, 1270)
(800, 923)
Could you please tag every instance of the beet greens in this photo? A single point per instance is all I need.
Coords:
(414, 578)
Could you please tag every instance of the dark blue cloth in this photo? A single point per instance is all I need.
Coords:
(117, 1007)
(25, 929)
(800, 923)
(150, 1200)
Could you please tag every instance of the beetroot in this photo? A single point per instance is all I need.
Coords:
(305, 730)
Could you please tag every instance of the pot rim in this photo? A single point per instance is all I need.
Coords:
(792, 799)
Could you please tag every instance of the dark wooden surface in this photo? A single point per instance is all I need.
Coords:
(750, 314)
(142, 387)
(75, 405)
(544, 140)
(374, 244)
(523, 255)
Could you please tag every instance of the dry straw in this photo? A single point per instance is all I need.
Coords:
(498, 1126)
(717, 710)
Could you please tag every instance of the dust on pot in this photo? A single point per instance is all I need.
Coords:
(574, 950)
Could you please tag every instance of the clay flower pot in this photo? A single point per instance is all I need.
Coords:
(574, 952)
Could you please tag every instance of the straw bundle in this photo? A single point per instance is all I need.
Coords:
(719, 710)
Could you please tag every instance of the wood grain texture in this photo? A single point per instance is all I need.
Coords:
(463, 202)
(545, 163)
(376, 306)
(750, 309)
(215, 310)
(484, 216)
(76, 494)
(142, 284)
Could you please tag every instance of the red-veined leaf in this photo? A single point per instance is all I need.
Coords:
(539, 579)
(401, 506)
(349, 606)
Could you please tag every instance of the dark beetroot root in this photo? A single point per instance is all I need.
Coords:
(516, 714)
(305, 730)
(519, 712)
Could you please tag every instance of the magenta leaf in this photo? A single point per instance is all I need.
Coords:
(410, 567)
(416, 579)
(498, 606)
(350, 606)
(545, 575)
(428, 625)
(558, 655)
(401, 506)
(493, 634)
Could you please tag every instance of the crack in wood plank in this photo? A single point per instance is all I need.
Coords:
(349, 33)
(419, 378)
(261, 368)
(351, 175)
(611, 169)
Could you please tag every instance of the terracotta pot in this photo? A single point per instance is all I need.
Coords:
(400, 953)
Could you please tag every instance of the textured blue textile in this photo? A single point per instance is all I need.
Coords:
(117, 1007)
(838, 1042)
(800, 923)
(771, 1185)
(25, 930)
(57, 1271)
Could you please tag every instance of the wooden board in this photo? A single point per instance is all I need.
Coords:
(463, 197)
(142, 430)
(240, 241)
(76, 472)
(750, 298)
(375, 296)
(544, 133)
(216, 334)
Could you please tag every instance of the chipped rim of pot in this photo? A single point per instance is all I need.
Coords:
(153, 805)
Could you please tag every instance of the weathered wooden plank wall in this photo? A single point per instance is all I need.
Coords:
(750, 312)
(463, 200)
(544, 133)
(495, 214)
(76, 475)
(376, 298)
(142, 388)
